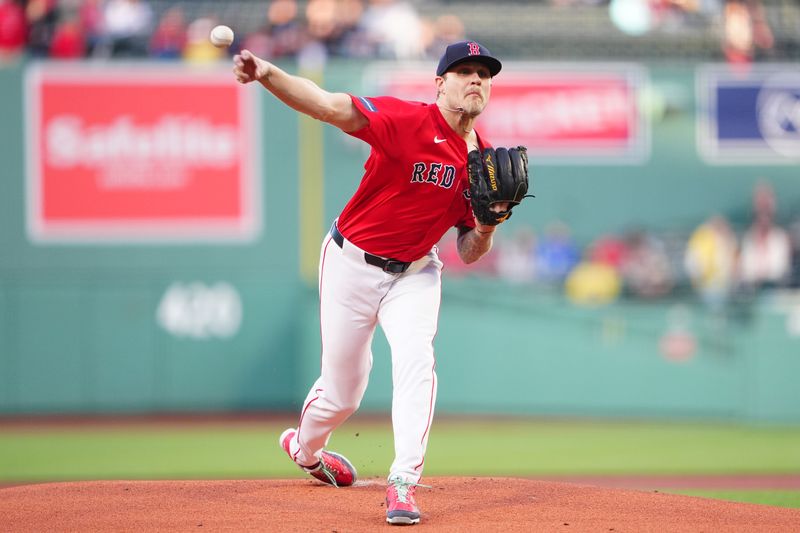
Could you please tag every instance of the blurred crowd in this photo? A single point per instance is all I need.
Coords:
(745, 30)
(315, 29)
(714, 261)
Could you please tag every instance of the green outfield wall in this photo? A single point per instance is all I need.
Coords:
(119, 324)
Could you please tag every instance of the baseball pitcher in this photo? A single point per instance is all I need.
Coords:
(428, 170)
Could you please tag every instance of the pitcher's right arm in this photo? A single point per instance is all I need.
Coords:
(301, 94)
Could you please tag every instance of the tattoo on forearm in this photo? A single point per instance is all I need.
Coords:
(472, 246)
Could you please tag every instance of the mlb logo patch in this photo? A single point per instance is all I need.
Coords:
(751, 117)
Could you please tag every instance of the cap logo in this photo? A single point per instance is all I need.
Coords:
(474, 49)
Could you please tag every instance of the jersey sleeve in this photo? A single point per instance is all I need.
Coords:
(385, 115)
(466, 221)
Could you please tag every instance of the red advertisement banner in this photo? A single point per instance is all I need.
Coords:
(557, 113)
(140, 153)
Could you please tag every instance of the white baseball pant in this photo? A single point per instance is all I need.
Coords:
(354, 298)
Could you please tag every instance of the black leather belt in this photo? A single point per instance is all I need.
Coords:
(392, 266)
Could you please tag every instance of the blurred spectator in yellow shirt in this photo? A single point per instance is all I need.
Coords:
(710, 261)
(593, 284)
(198, 47)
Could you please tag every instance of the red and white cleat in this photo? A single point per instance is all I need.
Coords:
(332, 468)
(401, 506)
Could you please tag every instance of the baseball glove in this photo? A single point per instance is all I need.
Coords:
(496, 176)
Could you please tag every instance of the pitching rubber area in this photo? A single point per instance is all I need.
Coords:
(456, 504)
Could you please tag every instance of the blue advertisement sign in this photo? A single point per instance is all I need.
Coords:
(749, 117)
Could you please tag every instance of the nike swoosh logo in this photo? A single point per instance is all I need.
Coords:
(437, 140)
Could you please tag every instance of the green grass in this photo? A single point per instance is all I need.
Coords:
(479, 447)
(612, 448)
(778, 498)
(457, 447)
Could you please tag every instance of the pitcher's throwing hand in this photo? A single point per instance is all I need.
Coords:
(247, 67)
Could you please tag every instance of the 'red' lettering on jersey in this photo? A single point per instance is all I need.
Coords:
(415, 183)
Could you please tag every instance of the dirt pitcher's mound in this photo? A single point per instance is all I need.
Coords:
(453, 504)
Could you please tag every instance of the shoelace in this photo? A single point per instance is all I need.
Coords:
(329, 473)
(325, 469)
(401, 487)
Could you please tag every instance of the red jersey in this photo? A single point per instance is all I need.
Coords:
(415, 186)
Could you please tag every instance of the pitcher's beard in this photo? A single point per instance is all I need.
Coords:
(472, 107)
(468, 111)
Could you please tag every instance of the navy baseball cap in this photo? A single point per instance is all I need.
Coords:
(467, 51)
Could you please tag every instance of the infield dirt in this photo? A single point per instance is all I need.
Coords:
(457, 504)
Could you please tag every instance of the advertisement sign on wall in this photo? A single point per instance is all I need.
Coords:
(749, 117)
(563, 114)
(135, 153)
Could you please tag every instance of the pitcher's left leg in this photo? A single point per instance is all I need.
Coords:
(409, 317)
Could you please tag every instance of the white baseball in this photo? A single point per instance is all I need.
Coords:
(221, 36)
